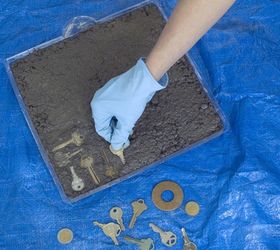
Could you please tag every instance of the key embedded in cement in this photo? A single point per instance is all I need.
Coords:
(76, 138)
(87, 162)
(143, 244)
(139, 207)
(116, 213)
(118, 153)
(77, 183)
(169, 239)
(111, 230)
(110, 170)
(63, 159)
(188, 245)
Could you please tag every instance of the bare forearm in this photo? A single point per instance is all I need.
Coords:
(190, 20)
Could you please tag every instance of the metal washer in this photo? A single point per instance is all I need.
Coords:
(167, 186)
(192, 208)
(65, 236)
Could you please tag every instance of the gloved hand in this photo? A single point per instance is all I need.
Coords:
(121, 101)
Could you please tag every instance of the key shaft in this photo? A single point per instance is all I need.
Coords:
(188, 245)
(111, 230)
(116, 213)
(143, 244)
(62, 145)
(132, 240)
(118, 153)
(139, 207)
(93, 175)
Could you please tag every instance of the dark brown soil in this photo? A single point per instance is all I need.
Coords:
(57, 84)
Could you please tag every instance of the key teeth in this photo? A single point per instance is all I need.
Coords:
(155, 228)
(114, 239)
(118, 153)
(121, 225)
(96, 223)
(131, 224)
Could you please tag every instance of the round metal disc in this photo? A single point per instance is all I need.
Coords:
(65, 236)
(167, 186)
(192, 208)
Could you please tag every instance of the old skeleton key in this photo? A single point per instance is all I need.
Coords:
(77, 183)
(167, 238)
(64, 159)
(143, 244)
(87, 162)
(116, 213)
(111, 230)
(139, 207)
(76, 139)
(188, 245)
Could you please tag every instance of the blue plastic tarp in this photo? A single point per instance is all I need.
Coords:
(234, 177)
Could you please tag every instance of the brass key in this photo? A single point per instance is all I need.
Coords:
(64, 158)
(116, 213)
(110, 171)
(139, 207)
(143, 244)
(76, 138)
(87, 162)
(188, 245)
(169, 239)
(118, 153)
(111, 230)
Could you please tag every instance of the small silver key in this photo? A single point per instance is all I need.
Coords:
(64, 158)
(188, 245)
(77, 183)
(111, 230)
(87, 162)
(76, 138)
(139, 207)
(116, 213)
(169, 239)
(143, 244)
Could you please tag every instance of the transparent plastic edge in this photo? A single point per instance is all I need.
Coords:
(32, 128)
(44, 155)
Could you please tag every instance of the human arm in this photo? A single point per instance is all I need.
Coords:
(124, 97)
(190, 20)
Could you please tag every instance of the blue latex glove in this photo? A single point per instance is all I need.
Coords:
(121, 101)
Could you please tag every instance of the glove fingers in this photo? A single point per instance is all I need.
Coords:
(120, 135)
(102, 125)
(103, 129)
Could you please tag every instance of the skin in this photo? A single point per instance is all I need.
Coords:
(190, 20)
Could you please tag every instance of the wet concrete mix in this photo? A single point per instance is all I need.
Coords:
(58, 82)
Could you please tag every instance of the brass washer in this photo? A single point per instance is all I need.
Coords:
(167, 186)
(64, 236)
(192, 208)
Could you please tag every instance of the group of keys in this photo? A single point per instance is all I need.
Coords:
(86, 162)
(113, 230)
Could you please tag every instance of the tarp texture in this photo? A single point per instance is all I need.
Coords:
(234, 177)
